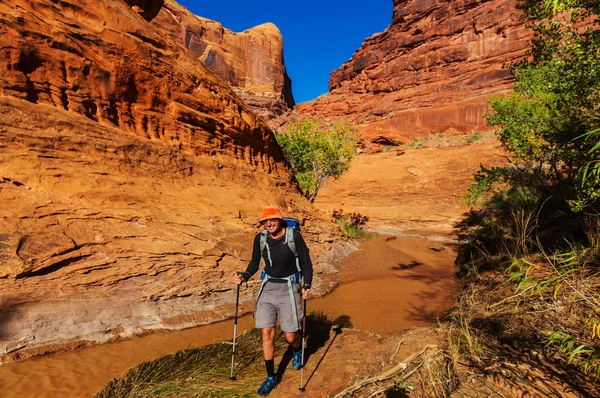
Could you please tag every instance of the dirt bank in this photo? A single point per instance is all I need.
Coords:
(412, 191)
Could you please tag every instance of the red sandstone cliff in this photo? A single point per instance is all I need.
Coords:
(131, 178)
(250, 61)
(104, 62)
(432, 71)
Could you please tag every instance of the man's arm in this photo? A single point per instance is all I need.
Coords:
(253, 265)
(305, 261)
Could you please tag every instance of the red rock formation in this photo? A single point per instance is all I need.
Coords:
(432, 71)
(131, 178)
(119, 71)
(148, 9)
(250, 61)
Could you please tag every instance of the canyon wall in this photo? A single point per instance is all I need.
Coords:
(250, 61)
(432, 71)
(131, 179)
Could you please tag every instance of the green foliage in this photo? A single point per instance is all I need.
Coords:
(401, 386)
(352, 223)
(572, 275)
(353, 231)
(551, 122)
(317, 153)
(418, 142)
(551, 127)
(539, 9)
(589, 175)
(474, 138)
(589, 358)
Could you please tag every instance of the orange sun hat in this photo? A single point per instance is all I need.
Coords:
(270, 213)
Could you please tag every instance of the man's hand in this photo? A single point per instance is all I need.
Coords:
(239, 277)
(305, 293)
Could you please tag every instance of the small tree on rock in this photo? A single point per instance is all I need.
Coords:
(317, 153)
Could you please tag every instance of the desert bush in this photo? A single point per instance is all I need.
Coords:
(550, 123)
(353, 223)
(317, 152)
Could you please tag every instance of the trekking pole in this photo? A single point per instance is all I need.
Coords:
(303, 331)
(237, 302)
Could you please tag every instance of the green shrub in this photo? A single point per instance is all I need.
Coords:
(352, 223)
(317, 153)
(473, 138)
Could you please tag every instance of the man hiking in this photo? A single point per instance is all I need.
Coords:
(287, 260)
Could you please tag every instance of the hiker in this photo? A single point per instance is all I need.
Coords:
(281, 277)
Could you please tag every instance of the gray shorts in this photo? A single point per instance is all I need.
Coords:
(275, 302)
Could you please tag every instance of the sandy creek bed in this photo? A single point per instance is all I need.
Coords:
(389, 285)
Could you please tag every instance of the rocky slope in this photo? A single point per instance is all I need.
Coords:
(432, 71)
(131, 178)
(416, 192)
(250, 61)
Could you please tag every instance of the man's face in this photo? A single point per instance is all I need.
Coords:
(273, 226)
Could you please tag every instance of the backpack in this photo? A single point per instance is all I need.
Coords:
(292, 222)
(292, 225)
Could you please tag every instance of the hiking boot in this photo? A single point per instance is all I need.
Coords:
(267, 386)
(297, 359)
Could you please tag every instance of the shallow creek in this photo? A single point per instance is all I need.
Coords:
(389, 285)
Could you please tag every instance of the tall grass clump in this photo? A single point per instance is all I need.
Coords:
(200, 372)
(205, 371)
(352, 223)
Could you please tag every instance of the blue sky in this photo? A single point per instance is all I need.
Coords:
(318, 36)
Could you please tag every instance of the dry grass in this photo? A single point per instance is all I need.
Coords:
(500, 329)
(202, 372)
(205, 372)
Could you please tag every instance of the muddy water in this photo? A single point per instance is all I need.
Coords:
(389, 285)
(393, 284)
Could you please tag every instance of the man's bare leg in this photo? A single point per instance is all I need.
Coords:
(293, 338)
(268, 340)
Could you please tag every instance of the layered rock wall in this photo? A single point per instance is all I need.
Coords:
(131, 179)
(103, 61)
(250, 61)
(431, 72)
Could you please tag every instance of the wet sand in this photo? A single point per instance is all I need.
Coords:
(391, 284)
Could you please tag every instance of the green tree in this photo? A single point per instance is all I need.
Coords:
(550, 121)
(538, 223)
(316, 153)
